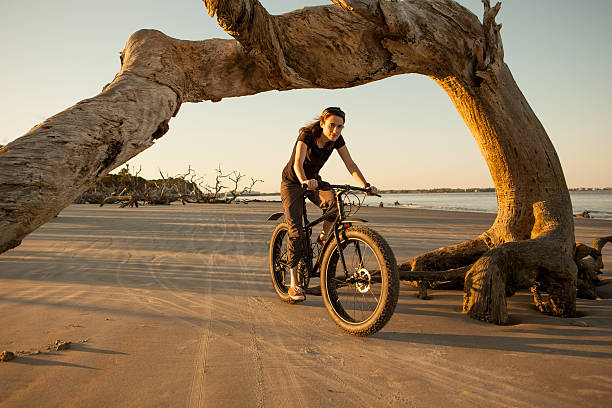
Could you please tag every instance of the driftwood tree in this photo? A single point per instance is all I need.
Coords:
(336, 46)
(131, 190)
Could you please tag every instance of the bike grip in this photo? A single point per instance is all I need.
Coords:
(323, 185)
(368, 191)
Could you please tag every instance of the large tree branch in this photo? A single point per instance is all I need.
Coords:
(43, 171)
(367, 9)
(53, 163)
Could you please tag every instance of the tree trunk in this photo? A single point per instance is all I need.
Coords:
(532, 238)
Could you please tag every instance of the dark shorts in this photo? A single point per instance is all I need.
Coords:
(291, 195)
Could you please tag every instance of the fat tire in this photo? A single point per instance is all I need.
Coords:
(279, 235)
(389, 281)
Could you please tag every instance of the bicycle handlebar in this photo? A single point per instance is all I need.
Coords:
(323, 185)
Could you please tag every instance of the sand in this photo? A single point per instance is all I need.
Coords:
(173, 307)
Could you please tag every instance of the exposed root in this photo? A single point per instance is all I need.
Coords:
(599, 243)
(435, 276)
(448, 258)
(514, 265)
(590, 263)
(561, 299)
(485, 290)
(447, 264)
(425, 279)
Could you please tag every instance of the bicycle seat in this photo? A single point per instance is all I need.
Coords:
(275, 216)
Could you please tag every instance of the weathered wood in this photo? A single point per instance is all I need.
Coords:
(533, 201)
(116, 199)
(434, 276)
(448, 258)
(599, 243)
(45, 170)
(532, 238)
(590, 263)
(422, 279)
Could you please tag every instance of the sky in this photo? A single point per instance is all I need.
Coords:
(403, 132)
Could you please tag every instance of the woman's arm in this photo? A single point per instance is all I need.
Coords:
(298, 165)
(352, 167)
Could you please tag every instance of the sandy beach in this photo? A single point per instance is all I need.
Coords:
(173, 307)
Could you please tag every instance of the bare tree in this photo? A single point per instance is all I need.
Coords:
(236, 192)
(131, 189)
(532, 238)
(215, 191)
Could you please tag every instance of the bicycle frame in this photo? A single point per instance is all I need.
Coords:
(339, 225)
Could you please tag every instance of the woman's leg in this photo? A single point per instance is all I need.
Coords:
(291, 196)
(326, 200)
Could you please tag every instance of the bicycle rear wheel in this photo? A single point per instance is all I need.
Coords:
(362, 303)
(279, 264)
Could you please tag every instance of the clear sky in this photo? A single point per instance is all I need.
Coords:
(403, 131)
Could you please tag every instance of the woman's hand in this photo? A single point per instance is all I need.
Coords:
(373, 190)
(311, 184)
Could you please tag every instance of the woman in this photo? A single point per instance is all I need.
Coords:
(314, 145)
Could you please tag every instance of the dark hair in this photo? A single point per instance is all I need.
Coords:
(333, 110)
(315, 126)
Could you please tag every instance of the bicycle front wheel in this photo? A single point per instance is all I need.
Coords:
(362, 300)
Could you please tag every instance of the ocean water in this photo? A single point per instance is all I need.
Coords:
(598, 203)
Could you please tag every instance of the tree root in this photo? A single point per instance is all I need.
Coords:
(425, 279)
(450, 257)
(599, 243)
(447, 264)
(514, 265)
(590, 263)
(498, 273)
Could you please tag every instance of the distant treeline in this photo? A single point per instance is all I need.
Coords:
(424, 190)
(440, 190)
(590, 189)
(457, 190)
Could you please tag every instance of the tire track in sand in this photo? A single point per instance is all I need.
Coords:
(289, 376)
(306, 350)
(255, 346)
(197, 391)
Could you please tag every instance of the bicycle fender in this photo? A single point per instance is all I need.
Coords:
(275, 216)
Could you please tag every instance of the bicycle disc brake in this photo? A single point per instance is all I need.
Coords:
(362, 280)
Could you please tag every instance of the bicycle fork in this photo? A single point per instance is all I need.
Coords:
(337, 236)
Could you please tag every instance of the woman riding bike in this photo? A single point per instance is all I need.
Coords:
(314, 146)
